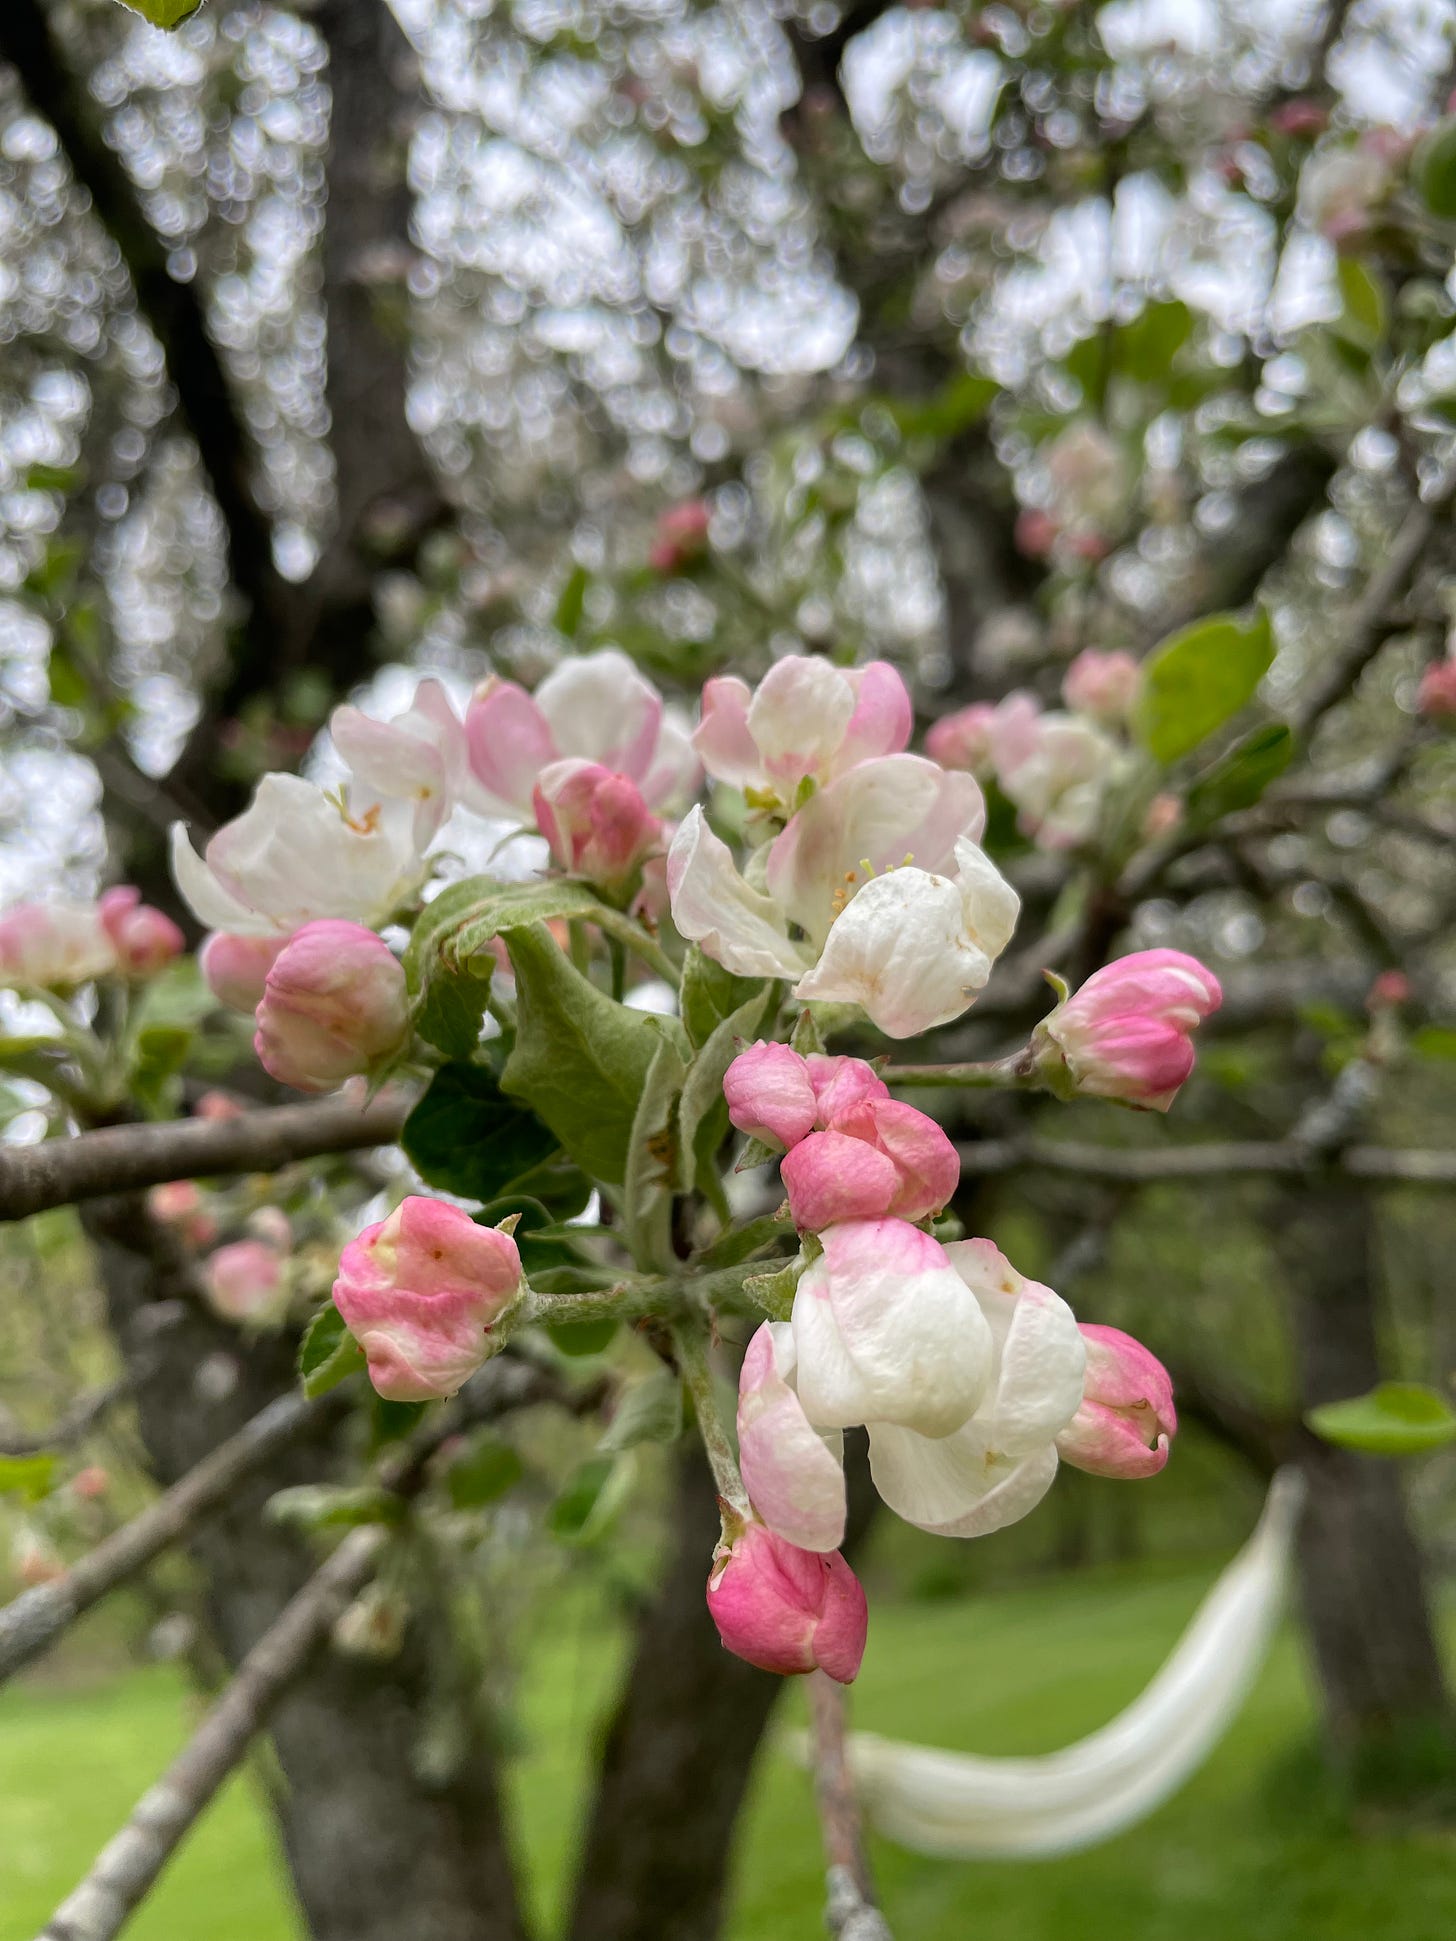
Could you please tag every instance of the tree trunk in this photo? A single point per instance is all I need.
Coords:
(1386, 1708)
(379, 1848)
(680, 1749)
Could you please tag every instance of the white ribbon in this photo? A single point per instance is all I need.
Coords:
(959, 1806)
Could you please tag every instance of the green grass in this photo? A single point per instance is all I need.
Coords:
(1250, 1851)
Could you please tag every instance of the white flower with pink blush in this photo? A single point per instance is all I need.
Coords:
(964, 1372)
(592, 708)
(1055, 769)
(807, 721)
(296, 854)
(900, 911)
(419, 755)
(54, 946)
(1127, 1033)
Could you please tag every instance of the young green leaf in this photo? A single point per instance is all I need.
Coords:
(710, 994)
(467, 1137)
(654, 1160)
(1239, 778)
(1198, 679)
(486, 1471)
(28, 1477)
(703, 1113)
(1395, 1419)
(649, 1410)
(164, 13)
(328, 1352)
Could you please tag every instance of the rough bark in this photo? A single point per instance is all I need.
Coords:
(680, 1748)
(378, 1848)
(1362, 1578)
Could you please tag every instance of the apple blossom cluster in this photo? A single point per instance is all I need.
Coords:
(1056, 767)
(58, 946)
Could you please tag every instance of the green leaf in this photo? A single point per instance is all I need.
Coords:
(652, 1171)
(774, 1292)
(1239, 778)
(28, 1477)
(570, 605)
(710, 994)
(467, 1137)
(1433, 169)
(1395, 1419)
(324, 1506)
(485, 1472)
(1364, 314)
(164, 13)
(448, 998)
(1197, 679)
(581, 1338)
(703, 1113)
(328, 1352)
(1435, 1041)
(649, 1410)
(591, 1499)
(580, 1061)
(392, 1421)
(741, 1243)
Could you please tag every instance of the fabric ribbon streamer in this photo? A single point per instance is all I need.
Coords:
(961, 1806)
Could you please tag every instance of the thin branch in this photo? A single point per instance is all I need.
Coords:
(1277, 1158)
(128, 1866)
(34, 1620)
(71, 1426)
(851, 1912)
(124, 1159)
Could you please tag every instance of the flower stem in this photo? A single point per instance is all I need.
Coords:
(1013, 1074)
(691, 1344)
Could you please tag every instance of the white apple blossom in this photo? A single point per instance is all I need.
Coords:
(895, 906)
(296, 854)
(419, 754)
(807, 721)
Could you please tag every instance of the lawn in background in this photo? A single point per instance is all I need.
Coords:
(1250, 1849)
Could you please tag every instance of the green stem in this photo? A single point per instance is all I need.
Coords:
(617, 952)
(622, 929)
(691, 1343)
(1013, 1074)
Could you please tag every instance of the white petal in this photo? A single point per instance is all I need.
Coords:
(712, 905)
(600, 709)
(883, 1344)
(903, 952)
(794, 1476)
(208, 899)
(989, 904)
(675, 773)
(957, 1486)
(798, 716)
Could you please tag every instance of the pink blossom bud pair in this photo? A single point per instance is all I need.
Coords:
(145, 940)
(854, 1153)
(597, 824)
(334, 1005)
(787, 1610)
(1127, 1420)
(1127, 1033)
(422, 1293)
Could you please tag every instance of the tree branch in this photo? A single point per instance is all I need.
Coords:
(32, 1623)
(124, 1159)
(851, 1913)
(128, 1866)
(70, 1427)
(1276, 1158)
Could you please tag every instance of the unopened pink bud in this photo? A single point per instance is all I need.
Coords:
(1126, 1423)
(596, 822)
(1301, 119)
(1035, 532)
(681, 535)
(244, 1281)
(1102, 685)
(235, 969)
(841, 1085)
(787, 1610)
(334, 1006)
(217, 1105)
(91, 1483)
(879, 1159)
(1391, 987)
(769, 1094)
(145, 940)
(421, 1292)
(1127, 1033)
(1436, 695)
(179, 1204)
(964, 739)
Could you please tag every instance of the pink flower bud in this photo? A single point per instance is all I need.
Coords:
(54, 946)
(681, 535)
(1436, 695)
(1035, 532)
(964, 739)
(217, 1105)
(1127, 1420)
(596, 822)
(421, 1292)
(769, 1094)
(334, 1005)
(91, 1483)
(1101, 685)
(1300, 119)
(1390, 988)
(879, 1158)
(841, 1085)
(787, 1610)
(244, 1282)
(179, 1204)
(1126, 1034)
(144, 939)
(235, 969)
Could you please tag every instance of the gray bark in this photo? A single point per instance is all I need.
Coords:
(378, 1848)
